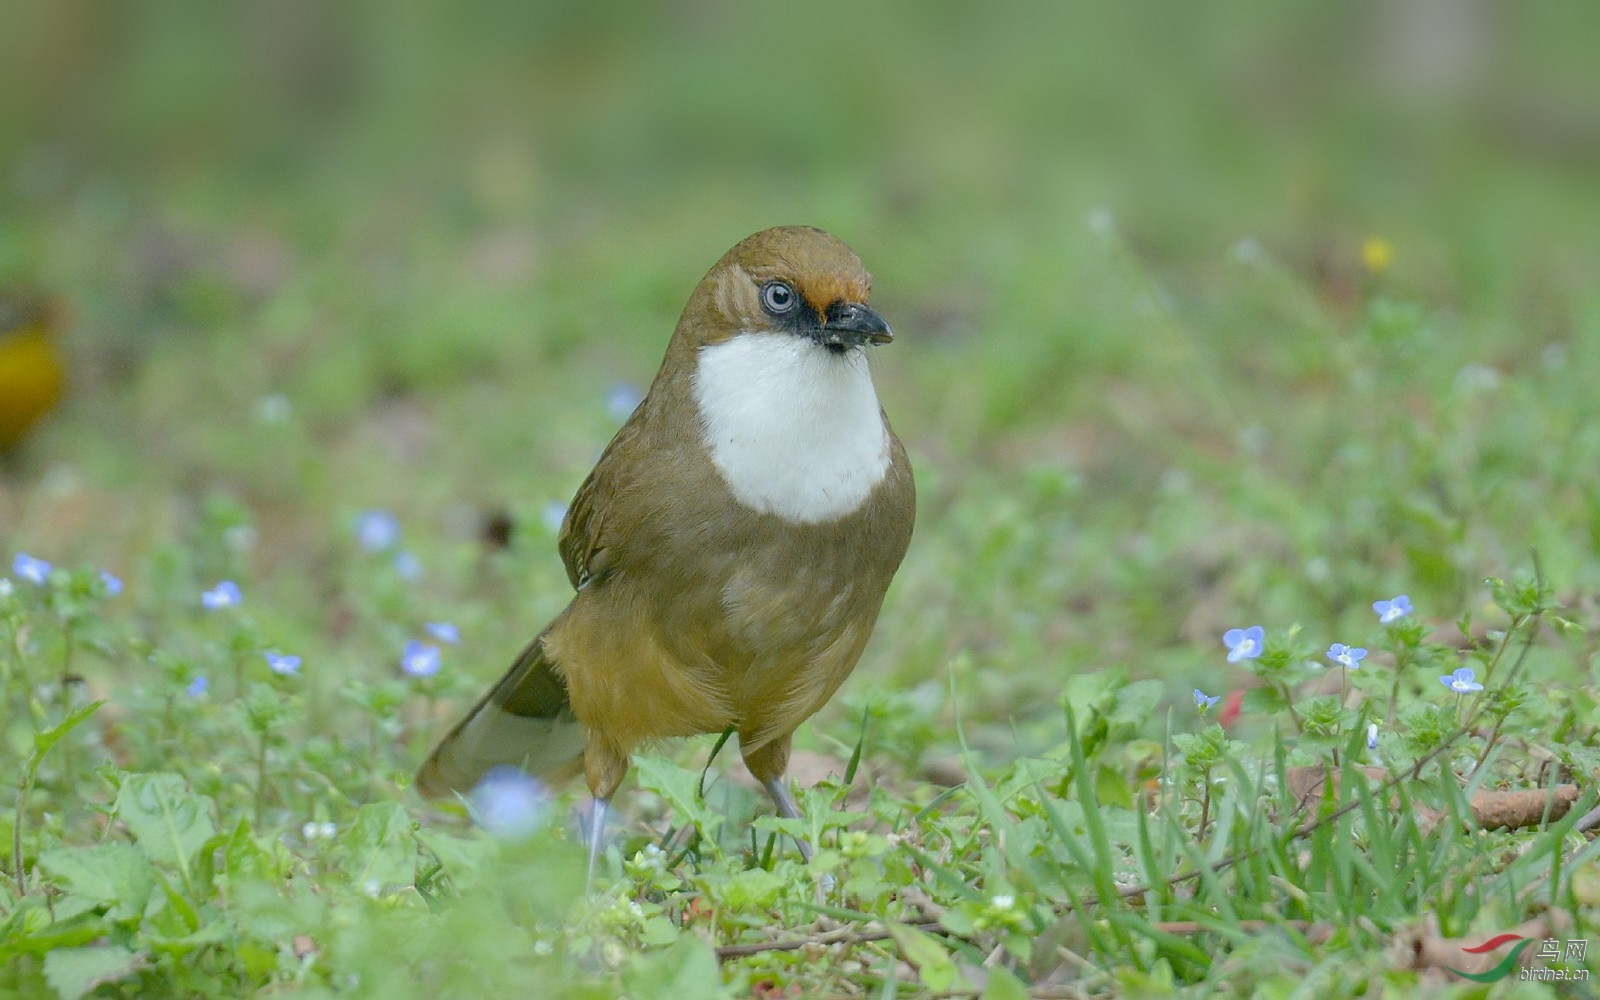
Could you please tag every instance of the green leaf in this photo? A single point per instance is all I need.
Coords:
(680, 787)
(380, 849)
(752, 889)
(268, 914)
(1003, 985)
(958, 921)
(169, 822)
(244, 860)
(1088, 691)
(657, 931)
(1263, 702)
(686, 968)
(934, 966)
(42, 742)
(1112, 788)
(855, 754)
(110, 872)
(40, 934)
(180, 906)
(202, 879)
(12, 923)
(1137, 703)
(215, 932)
(72, 972)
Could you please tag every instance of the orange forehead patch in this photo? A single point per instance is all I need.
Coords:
(823, 291)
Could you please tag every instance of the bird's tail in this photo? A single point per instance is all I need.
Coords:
(525, 721)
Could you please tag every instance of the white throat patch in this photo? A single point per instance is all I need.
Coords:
(794, 428)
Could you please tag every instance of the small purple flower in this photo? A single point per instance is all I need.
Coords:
(1461, 682)
(35, 571)
(223, 595)
(112, 584)
(407, 565)
(377, 530)
(1348, 657)
(282, 664)
(622, 399)
(419, 659)
(198, 686)
(1372, 736)
(1392, 610)
(444, 632)
(1203, 701)
(509, 803)
(1243, 643)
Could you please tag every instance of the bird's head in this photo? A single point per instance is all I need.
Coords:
(792, 280)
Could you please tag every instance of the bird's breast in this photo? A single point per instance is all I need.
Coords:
(793, 428)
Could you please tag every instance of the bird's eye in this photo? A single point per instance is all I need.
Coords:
(778, 298)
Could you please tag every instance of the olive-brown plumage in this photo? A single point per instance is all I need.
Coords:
(732, 546)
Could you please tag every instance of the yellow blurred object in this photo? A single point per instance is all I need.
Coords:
(31, 375)
(1377, 254)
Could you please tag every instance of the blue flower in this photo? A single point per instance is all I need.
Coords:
(444, 632)
(1394, 610)
(1203, 701)
(509, 803)
(622, 399)
(35, 571)
(1372, 736)
(419, 659)
(1349, 657)
(223, 595)
(112, 584)
(407, 565)
(282, 664)
(198, 686)
(377, 530)
(1461, 682)
(1243, 643)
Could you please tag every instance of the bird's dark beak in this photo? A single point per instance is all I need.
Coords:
(851, 324)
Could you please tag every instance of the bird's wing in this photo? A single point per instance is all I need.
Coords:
(586, 534)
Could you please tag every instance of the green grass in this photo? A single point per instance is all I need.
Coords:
(356, 260)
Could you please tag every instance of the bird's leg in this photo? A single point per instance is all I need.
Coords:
(768, 763)
(597, 835)
(604, 766)
(788, 808)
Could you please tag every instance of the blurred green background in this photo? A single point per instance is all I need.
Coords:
(327, 257)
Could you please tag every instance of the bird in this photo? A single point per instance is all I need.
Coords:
(730, 551)
(31, 372)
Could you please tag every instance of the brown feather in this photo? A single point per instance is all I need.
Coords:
(694, 613)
